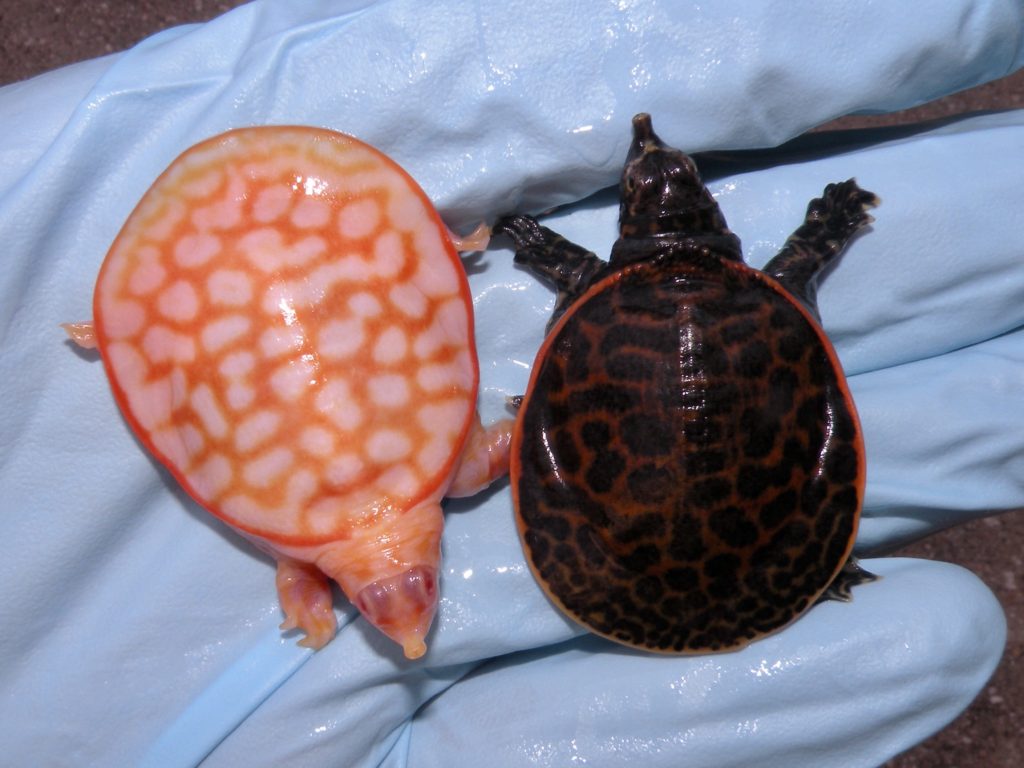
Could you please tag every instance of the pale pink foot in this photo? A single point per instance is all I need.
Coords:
(306, 599)
(484, 459)
(83, 334)
(476, 240)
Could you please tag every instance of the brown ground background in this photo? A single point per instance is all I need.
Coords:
(35, 37)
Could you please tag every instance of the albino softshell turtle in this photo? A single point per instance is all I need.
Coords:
(286, 325)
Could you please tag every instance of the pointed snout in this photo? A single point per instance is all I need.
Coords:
(402, 607)
(642, 128)
(644, 137)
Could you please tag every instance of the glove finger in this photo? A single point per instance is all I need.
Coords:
(526, 105)
(353, 697)
(849, 684)
(126, 576)
(945, 441)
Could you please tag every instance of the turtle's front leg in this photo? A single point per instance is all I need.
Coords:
(831, 222)
(570, 268)
(83, 334)
(475, 241)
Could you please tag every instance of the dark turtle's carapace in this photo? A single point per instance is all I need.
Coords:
(687, 465)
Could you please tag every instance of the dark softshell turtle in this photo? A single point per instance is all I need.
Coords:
(687, 465)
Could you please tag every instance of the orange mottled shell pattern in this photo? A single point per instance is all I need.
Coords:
(288, 328)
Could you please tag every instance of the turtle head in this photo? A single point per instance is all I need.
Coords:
(402, 607)
(662, 192)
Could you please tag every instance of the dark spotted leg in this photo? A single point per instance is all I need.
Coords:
(848, 577)
(568, 267)
(831, 221)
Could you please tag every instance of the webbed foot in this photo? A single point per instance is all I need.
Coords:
(842, 209)
(305, 595)
(830, 223)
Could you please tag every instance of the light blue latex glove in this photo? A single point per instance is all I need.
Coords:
(136, 629)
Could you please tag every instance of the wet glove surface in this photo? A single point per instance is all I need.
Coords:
(147, 631)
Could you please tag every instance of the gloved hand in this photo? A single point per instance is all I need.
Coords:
(136, 629)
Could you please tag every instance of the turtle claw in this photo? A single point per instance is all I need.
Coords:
(849, 576)
(842, 209)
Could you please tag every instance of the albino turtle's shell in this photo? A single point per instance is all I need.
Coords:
(287, 327)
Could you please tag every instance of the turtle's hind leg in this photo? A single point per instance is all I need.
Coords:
(849, 576)
(831, 222)
(570, 268)
(307, 602)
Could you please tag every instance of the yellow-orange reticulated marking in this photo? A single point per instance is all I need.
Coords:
(287, 326)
